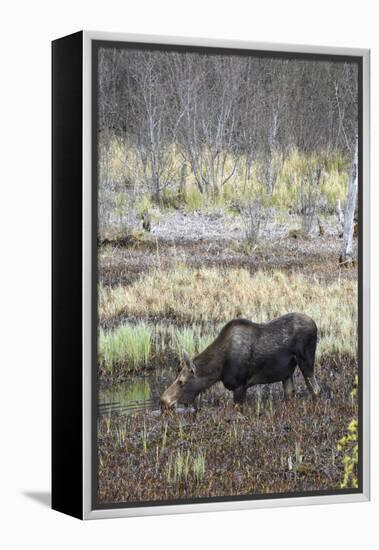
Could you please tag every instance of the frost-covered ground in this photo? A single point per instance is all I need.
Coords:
(218, 225)
(218, 239)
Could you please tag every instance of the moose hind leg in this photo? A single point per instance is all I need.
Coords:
(306, 366)
(288, 387)
(312, 385)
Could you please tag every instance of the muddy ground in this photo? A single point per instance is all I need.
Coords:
(271, 446)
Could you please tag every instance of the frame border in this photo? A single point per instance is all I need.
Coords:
(89, 290)
(66, 292)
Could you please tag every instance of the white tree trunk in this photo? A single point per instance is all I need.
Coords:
(347, 242)
(340, 213)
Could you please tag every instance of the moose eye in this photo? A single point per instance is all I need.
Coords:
(180, 382)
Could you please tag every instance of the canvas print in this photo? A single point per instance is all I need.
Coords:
(227, 248)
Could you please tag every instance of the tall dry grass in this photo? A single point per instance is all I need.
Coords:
(212, 295)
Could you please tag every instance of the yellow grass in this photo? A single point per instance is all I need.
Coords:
(210, 294)
(121, 163)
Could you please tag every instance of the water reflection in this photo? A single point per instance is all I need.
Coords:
(140, 393)
(137, 394)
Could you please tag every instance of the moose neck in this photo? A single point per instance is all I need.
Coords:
(208, 371)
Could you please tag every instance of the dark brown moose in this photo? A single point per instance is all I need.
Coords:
(245, 354)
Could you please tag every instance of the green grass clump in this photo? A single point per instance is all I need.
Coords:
(144, 205)
(192, 198)
(183, 465)
(191, 340)
(127, 345)
(333, 187)
(198, 466)
(130, 347)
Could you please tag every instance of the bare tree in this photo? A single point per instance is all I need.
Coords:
(207, 95)
(223, 114)
(154, 134)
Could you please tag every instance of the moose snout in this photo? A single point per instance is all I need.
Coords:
(167, 402)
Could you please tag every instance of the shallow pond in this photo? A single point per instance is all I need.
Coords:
(142, 393)
(137, 394)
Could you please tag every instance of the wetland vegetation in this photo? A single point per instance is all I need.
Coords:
(273, 445)
(241, 216)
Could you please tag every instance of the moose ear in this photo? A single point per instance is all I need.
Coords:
(187, 361)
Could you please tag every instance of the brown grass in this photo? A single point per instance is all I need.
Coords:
(187, 295)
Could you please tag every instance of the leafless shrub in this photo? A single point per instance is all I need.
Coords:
(254, 215)
(117, 214)
(308, 195)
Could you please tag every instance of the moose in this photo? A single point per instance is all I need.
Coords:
(245, 354)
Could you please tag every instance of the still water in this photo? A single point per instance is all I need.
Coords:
(137, 394)
(142, 393)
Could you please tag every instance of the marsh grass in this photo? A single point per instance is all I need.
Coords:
(164, 345)
(198, 466)
(185, 465)
(134, 348)
(144, 438)
(127, 345)
(209, 297)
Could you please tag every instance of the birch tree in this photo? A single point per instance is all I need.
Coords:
(347, 242)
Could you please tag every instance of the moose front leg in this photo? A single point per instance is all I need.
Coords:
(239, 395)
(197, 402)
(288, 387)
